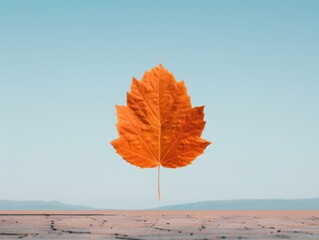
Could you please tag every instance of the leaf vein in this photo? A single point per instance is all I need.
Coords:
(146, 102)
(176, 139)
(140, 136)
(143, 113)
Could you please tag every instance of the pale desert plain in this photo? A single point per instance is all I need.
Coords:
(157, 224)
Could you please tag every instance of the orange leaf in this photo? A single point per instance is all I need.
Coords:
(159, 127)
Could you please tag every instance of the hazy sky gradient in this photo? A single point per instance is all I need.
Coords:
(65, 64)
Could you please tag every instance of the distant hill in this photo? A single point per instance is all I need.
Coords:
(245, 204)
(39, 205)
(248, 204)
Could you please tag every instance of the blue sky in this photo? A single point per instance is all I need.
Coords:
(65, 64)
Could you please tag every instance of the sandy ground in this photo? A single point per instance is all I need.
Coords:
(159, 225)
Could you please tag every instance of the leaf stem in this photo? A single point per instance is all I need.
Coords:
(158, 183)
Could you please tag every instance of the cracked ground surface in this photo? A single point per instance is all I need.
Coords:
(159, 225)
